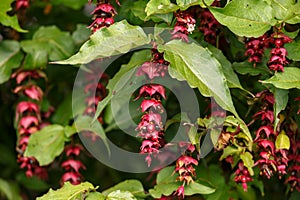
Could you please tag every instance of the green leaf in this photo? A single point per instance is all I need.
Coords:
(7, 20)
(117, 39)
(69, 131)
(11, 58)
(248, 68)
(135, 187)
(120, 195)
(296, 14)
(160, 7)
(283, 10)
(282, 141)
(69, 192)
(197, 188)
(293, 50)
(167, 184)
(231, 77)
(247, 158)
(229, 151)
(48, 43)
(193, 136)
(281, 100)
(84, 123)
(123, 79)
(46, 144)
(232, 121)
(95, 196)
(253, 18)
(10, 190)
(200, 69)
(288, 79)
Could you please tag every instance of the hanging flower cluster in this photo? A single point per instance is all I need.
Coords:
(150, 127)
(185, 24)
(185, 168)
(72, 165)
(209, 25)
(271, 160)
(29, 118)
(278, 53)
(103, 16)
(256, 47)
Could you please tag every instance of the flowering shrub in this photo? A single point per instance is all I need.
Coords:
(150, 99)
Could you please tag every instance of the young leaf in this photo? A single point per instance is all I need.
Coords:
(46, 144)
(247, 158)
(282, 141)
(288, 79)
(117, 39)
(7, 20)
(69, 192)
(229, 151)
(200, 69)
(253, 18)
(232, 121)
(11, 58)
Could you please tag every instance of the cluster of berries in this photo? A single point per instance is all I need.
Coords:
(29, 118)
(185, 24)
(103, 16)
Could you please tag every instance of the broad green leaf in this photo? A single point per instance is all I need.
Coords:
(84, 123)
(231, 77)
(193, 136)
(164, 189)
(75, 4)
(7, 20)
(11, 58)
(48, 43)
(296, 13)
(185, 4)
(121, 82)
(46, 144)
(245, 18)
(69, 192)
(282, 141)
(120, 195)
(229, 151)
(10, 190)
(282, 9)
(197, 188)
(248, 68)
(281, 100)
(135, 187)
(166, 175)
(200, 69)
(95, 196)
(293, 50)
(160, 7)
(232, 121)
(288, 79)
(117, 39)
(247, 158)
